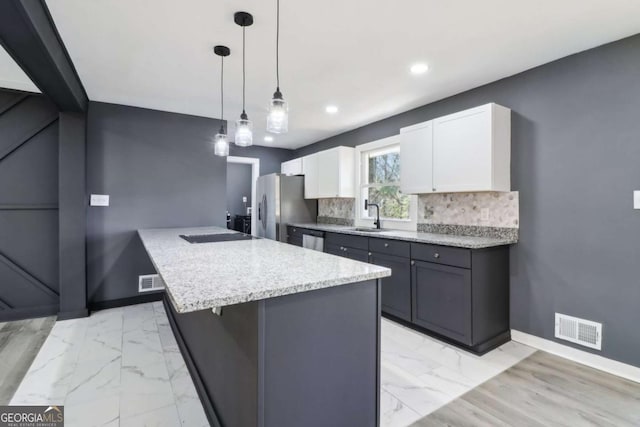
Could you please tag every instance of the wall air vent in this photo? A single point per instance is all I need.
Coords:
(579, 331)
(150, 282)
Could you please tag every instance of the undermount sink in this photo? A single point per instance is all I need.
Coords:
(368, 229)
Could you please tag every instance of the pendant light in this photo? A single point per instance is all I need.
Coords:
(244, 127)
(221, 143)
(278, 117)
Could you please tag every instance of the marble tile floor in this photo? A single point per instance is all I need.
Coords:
(122, 367)
(118, 367)
(420, 374)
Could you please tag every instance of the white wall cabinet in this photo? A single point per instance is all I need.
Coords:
(292, 167)
(329, 173)
(465, 151)
(416, 158)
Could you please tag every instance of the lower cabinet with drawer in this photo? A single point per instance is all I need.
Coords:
(461, 294)
(294, 235)
(456, 294)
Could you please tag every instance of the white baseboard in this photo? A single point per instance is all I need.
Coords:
(610, 366)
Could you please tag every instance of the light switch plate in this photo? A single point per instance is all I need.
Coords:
(636, 199)
(99, 200)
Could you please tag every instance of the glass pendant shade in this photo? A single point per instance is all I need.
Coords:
(278, 117)
(221, 145)
(244, 132)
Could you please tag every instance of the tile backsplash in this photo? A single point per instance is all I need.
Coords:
(336, 211)
(449, 213)
(466, 209)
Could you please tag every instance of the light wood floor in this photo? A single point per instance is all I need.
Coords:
(544, 390)
(20, 342)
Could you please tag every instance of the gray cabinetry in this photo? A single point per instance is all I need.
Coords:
(458, 294)
(294, 235)
(442, 299)
(396, 290)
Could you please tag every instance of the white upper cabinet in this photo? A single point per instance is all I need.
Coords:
(292, 167)
(416, 158)
(310, 171)
(472, 150)
(329, 173)
(467, 151)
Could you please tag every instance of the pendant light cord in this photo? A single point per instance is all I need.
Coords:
(222, 91)
(278, 44)
(243, 68)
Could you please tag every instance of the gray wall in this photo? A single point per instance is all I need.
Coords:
(29, 283)
(575, 161)
(238, 185)
(160, 171)
(270, 158)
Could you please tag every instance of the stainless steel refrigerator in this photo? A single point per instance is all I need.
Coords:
(280, 202)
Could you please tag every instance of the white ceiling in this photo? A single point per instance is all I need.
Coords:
(354, 54)
(12, 76)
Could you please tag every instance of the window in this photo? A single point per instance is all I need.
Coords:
(379, 183)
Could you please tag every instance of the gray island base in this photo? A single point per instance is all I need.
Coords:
(273, 335)
(307, 359)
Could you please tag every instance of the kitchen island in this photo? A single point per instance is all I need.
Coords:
(272, 334)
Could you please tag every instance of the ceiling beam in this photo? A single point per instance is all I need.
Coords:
(28, 34)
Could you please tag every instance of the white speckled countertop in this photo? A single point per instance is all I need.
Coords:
(209, 275)
(470, 242)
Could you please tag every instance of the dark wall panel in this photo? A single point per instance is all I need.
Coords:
(160, 171)
(575, 161)
(28, 205)
(30, 174)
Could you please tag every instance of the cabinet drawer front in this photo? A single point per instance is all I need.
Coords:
(356, 242)
(441, 300)
(459, 257)
(343, 251)
(390, 247)
(356, 254)
(297, 232)
(396, 290)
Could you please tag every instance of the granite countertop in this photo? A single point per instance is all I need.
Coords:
(210, 275)
(470, 242)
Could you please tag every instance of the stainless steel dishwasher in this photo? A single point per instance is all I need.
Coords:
(312, 239)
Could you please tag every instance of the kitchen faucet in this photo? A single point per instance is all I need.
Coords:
(366, 207)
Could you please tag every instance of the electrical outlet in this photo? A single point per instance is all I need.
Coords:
(99, 200)
(244, 199)
(484, 214)
(636, 199)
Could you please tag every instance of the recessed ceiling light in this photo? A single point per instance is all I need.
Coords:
(419, 68)
(268, 138)
(331, 109)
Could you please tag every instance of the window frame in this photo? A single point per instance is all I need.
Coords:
(361, 151)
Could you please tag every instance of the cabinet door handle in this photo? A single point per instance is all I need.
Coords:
(294, 230)
(413, 262)
(345, 249)
(342, 248)
(369, 254)
(386, 245)
(436, 255)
